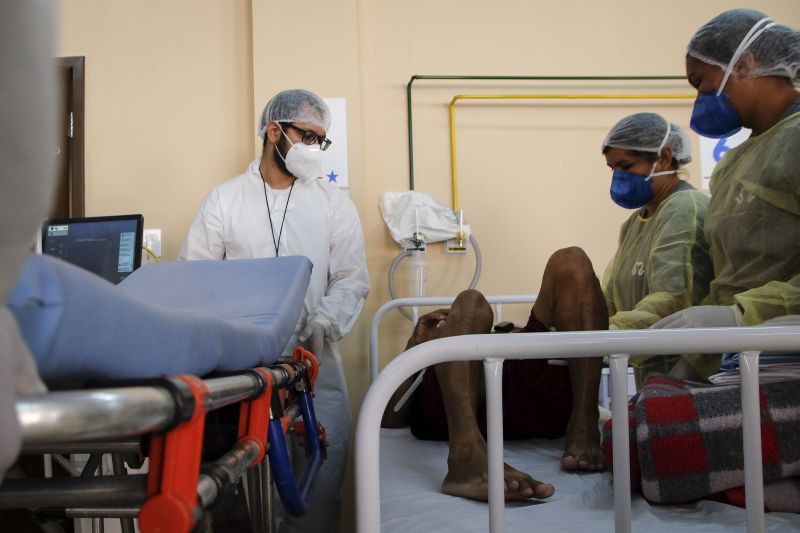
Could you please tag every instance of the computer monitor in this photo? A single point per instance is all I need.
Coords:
(108, 246)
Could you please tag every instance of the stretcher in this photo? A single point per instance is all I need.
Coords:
(138, 367)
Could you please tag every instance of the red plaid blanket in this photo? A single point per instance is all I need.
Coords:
(686, 442)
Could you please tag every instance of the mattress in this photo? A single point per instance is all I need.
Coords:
(412, 472)
(190, 317)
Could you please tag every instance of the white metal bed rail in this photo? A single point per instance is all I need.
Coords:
(615, 344)
(424, 301)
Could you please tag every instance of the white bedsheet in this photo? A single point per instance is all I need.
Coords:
(412, 471)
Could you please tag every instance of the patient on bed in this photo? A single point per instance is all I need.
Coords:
(539, 399)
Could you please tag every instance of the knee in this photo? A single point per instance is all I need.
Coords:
(471, 299)
(470, 294)
(572, 262)
(571, 254)
(471, 306)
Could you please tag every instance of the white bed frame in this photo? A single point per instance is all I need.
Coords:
(617, 345)
(430, 301)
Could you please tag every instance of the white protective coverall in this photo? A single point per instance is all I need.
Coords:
(27, 135)
(321, 223)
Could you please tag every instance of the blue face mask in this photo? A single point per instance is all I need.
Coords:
(713, 116)
(630, 190)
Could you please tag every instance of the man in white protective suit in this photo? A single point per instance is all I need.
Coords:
(279, 207)
(27, 184)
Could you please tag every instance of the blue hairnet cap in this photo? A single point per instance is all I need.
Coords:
(644, 132)
(295, 105)
(776, 49)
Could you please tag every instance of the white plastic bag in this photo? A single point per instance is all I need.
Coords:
(408, 212)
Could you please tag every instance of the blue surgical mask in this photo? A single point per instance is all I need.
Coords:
(713, 116)
(630, 190)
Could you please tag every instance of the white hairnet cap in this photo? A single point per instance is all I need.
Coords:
(776, 50)
(295, 105)
(644, 132)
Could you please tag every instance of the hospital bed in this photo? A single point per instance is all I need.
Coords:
(126, 359)
(582, 501)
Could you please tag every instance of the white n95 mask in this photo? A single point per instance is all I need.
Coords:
(303, 161)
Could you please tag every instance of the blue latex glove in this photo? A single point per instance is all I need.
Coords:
(700, 316)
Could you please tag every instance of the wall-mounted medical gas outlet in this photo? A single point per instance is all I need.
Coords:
(416, 243)
(455, 246)
(151, 239)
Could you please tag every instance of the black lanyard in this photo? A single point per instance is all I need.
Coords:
(269, 215)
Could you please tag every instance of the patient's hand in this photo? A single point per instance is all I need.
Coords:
(427, 327)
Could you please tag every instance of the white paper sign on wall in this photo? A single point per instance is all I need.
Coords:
(334, 159)
(712, 150)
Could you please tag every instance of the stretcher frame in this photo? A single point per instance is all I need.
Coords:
(617, 346)
(171, 411)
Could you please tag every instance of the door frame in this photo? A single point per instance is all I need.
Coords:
(76, 66)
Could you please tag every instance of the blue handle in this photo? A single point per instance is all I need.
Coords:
(295, 499)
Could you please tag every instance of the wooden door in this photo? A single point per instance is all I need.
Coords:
(69, 150)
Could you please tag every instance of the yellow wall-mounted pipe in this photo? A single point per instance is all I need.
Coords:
(556, 96)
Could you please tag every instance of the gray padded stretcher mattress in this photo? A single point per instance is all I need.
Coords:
(189, 317)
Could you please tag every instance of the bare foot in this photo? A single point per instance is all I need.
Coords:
(582, 449)
(468, 478)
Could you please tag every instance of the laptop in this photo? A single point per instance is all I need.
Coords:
(108, 246)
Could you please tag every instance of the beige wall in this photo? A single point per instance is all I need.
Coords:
(531, 176)
(168, 103)
(173, 89)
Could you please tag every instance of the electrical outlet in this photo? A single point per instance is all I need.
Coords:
(151, 239)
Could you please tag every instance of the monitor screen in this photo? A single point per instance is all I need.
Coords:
(108, 246)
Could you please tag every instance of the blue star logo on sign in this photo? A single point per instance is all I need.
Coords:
(332, 177)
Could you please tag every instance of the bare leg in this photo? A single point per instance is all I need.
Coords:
(426, 328)
(459, 383)
(467, 464)
(571, 300)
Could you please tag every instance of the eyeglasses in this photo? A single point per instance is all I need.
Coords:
(309, 137)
